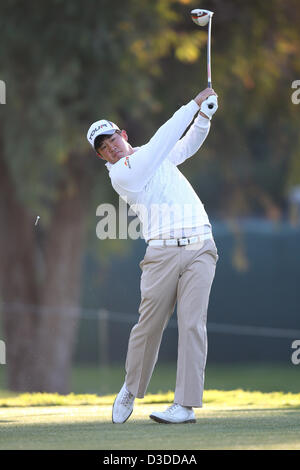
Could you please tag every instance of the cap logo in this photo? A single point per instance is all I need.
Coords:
(97, 129)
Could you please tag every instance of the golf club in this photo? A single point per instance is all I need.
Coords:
(201, 18)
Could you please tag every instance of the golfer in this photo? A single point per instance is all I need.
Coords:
(181, 256)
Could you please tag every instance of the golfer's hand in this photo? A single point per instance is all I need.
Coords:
(203, 95)
(201, 98)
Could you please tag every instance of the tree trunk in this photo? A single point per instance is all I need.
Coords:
(61, 292)
(40, 318)
(17, 282)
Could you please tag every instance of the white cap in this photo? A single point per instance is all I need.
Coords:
(99, 128)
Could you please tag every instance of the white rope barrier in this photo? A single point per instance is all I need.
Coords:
(106, 315)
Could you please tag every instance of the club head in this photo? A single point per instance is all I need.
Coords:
(201, 17)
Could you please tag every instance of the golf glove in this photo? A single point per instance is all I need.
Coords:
(209, 106)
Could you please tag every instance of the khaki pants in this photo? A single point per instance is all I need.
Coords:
(169, 274)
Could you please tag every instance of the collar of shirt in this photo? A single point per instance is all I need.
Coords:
(110, 165)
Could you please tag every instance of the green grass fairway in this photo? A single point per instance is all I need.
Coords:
(228, 420)
(245, 407)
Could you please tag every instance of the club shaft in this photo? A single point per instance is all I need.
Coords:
(209, 84)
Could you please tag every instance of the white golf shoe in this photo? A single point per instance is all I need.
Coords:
(123, 406)
(174, 414)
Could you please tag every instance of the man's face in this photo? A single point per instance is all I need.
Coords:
(114, 147)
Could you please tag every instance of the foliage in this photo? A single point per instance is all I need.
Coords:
(212, 398)
(66, 65)
(251, 157)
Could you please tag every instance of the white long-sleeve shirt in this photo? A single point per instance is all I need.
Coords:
(150, 182)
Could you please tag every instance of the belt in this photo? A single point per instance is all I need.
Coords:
(180, 241)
